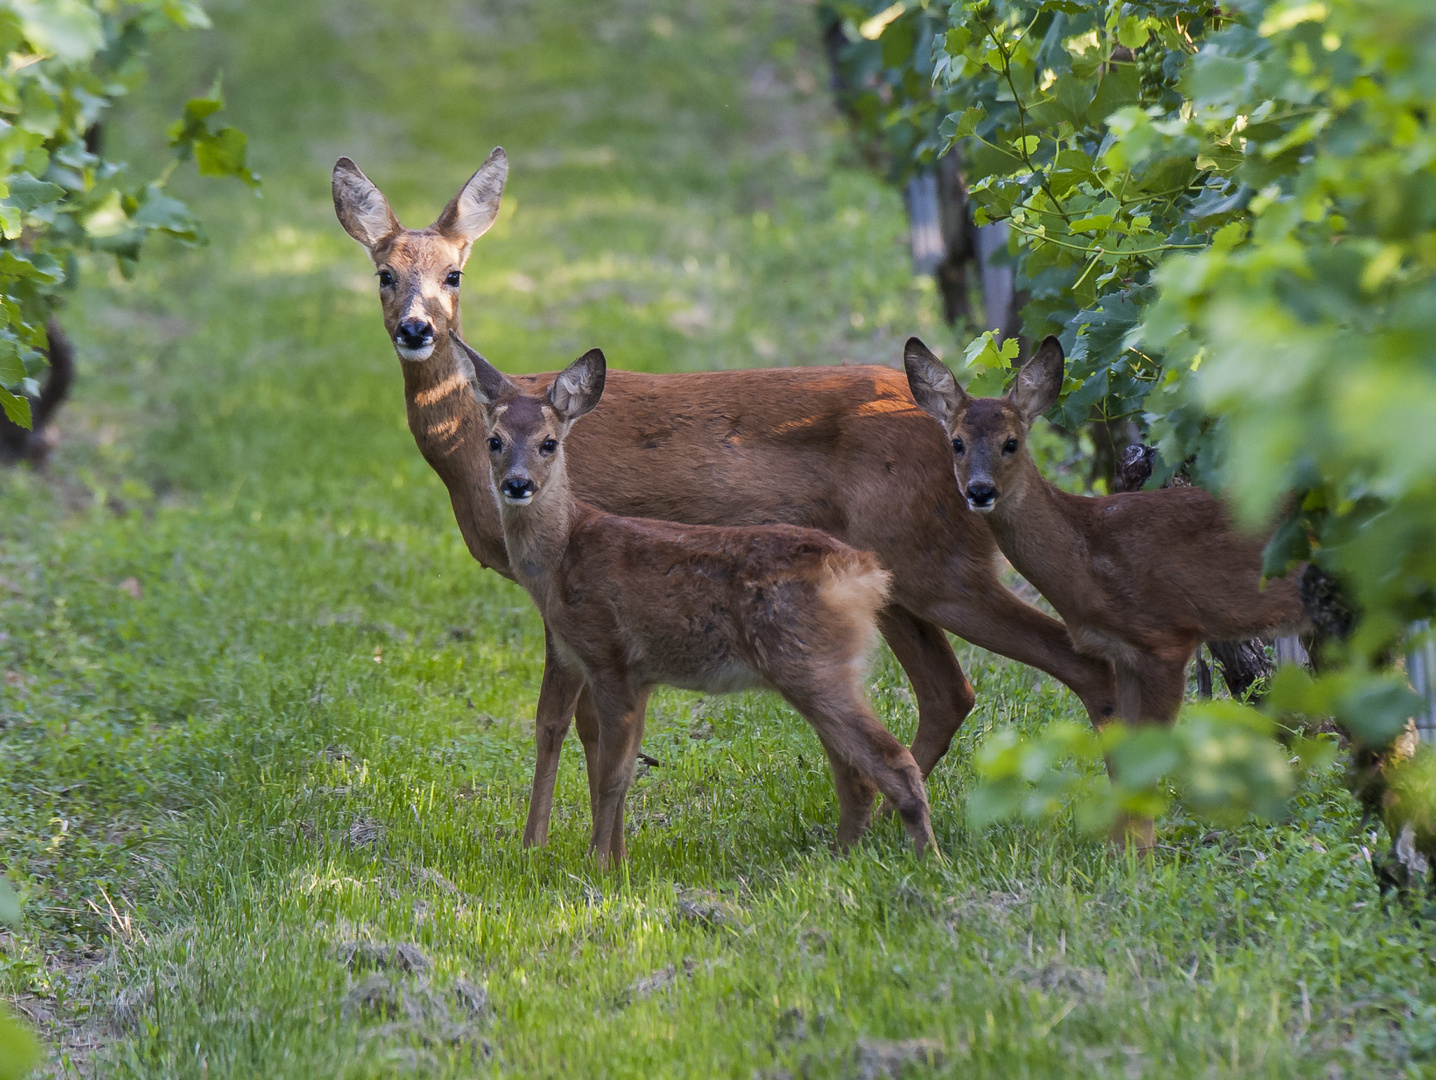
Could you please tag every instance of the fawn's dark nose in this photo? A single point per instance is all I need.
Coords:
(518, 488)
(981, 494)
(414, 333)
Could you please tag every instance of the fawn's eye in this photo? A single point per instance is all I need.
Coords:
(548, 446)
(1010, 446)
(453, 278)
(385, 279)
(957, 446)
(495, 445)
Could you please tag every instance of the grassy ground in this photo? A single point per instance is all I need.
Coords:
(267, 728)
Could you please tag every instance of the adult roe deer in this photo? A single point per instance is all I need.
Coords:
(841, 449)
(630, 603)
(1140, 578)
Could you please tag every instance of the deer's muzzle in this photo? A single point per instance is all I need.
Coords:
(518, 489)
(414, 338)
(981, 496)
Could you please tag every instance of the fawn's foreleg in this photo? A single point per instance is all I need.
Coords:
(620, 730)
(558, 694)
(585, 719)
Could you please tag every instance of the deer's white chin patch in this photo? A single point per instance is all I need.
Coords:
(981, 509)
(517, 502)
(414, 354)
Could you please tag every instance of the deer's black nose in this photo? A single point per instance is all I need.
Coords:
(414, 333)
(518, 488)
(981, 493)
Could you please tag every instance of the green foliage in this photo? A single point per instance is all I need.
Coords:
(1069, 123)
(67, 63)
(1221, 759)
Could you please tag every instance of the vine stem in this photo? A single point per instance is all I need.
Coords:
(1022, 119)
(1098, 249)
(1091, 265)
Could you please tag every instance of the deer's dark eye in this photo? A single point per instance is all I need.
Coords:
(453, 279)
(1010, 446)
(495, 445)
(957, 446)
(548, 446)
(385, 279)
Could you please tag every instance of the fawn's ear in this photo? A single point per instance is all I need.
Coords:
(362, 208)
(579, 386)
(933, 387)
(490, 385)
(472, 211)
(1040, 381)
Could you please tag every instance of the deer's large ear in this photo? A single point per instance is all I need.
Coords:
(1040, 380)
(362, 208)
(933, 387)
(472, 211)
(579, 386)
(490, 385)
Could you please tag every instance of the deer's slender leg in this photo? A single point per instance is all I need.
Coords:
(944, 696)
(558, 694)
(855, 801)
(1149, 692)
(617, 840)
(1163, 685)
(1127, 829)
(1129, 695)
(620, 729)
(585, 719)
(991, 617)
(847, 727)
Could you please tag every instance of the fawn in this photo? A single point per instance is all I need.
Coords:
(629, 603)
(1140, 578)
(841, 449)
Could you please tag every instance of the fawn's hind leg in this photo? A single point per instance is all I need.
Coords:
(558, 694)
(856, 796)
(845, 723)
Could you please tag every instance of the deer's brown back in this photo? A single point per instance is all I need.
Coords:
(1172, 560)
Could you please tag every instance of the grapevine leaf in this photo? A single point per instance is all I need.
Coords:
(16, 408)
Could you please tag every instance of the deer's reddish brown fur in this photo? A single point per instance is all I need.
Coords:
(1140, 578)
(842, 449)
(629, 603)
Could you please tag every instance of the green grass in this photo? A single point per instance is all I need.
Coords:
(312, 725)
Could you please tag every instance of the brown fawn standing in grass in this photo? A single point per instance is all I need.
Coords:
(629, 603)
(842, 449)
(1140, 578)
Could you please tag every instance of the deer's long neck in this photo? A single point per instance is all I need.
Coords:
(449, 429)
(445, 419)
(1035, 527)
(537, 537)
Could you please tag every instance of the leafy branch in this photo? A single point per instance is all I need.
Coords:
(60, 198)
